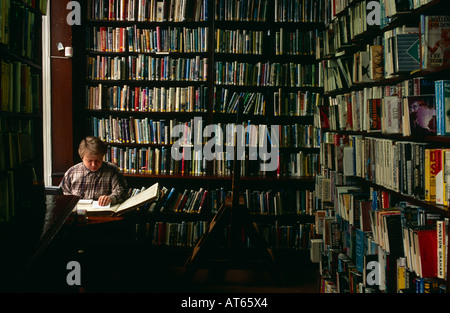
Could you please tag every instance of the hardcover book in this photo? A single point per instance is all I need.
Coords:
(442, 92)
(422, 115)
(392, 117)
(407, 53)
(376, 65)
(435, 32)
(425, 243)
(132, 203)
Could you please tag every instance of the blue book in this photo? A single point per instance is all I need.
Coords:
(439, 108)
(359, 250)
(442, 99)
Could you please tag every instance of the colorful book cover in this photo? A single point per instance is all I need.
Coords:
(442, 92)
(422, 115)
(375, 115)
(392, 116)
(430, 175)
(407, 53)
(436, 40)
(439, 172)
(377, 65)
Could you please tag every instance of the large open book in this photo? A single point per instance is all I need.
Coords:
(147, 195)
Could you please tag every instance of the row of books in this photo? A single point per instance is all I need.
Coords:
(147, 99)
(409, 232)
(285, 42)
(189, 201)
(228, 101)
(300, 103)
(114, 129)
(147, 67)
(411, 168)
(434, 41)
(156, 161)
(385, 233)
(176, 234)
(279, 202)
(187, 234)
(267, 74)
(239, 41)
(232, 10)
(400, 50)
(350, 70)
(131, 130)
(295, 42)
(194, 99)
(175, 161)
(386, 11)
(155, 40)
(279, 236)
(392, 9)
(17, 147)
(152, 11)
(298, 11)
(425, 249)
(408, 49)
(14, 183)
(147, 131)
(17, 23)
(298, 136)
(259, 10)
(299, 164)
(258, 202)
(19, 87)
(343, 29)
(413, 107)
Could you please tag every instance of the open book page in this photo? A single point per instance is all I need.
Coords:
(145, 196)
(95, 205)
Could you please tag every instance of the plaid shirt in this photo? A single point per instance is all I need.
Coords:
(82, 182)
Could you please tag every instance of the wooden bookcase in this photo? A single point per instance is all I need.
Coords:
(208, 21)
(22, 203)
(372, 158)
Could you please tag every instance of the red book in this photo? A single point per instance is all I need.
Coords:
(136, 98)
(427, 248)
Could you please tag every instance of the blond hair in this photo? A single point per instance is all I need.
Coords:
(93, 145)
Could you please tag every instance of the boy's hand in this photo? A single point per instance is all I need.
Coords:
(104, 200)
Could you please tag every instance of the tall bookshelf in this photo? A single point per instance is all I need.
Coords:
(217, 49)
(21, 204)
(376, 199)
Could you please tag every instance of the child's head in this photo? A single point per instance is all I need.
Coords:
(92, 151)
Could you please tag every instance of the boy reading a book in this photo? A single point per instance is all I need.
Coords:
(93, 178)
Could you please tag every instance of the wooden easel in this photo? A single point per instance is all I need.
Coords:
(233, 214)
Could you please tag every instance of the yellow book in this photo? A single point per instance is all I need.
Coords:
(430, 178)
(401, 276)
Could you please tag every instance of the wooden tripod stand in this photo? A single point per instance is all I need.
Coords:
(234, 216)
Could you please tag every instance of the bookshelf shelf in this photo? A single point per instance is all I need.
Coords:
(22, 200)
(91, 112)
(439, 72)
(441, 209)
(431, 139)
(412, 17)
(13, 55)
(369, 168)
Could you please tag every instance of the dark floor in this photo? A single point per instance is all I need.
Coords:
(128, 270)
(110, 263)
